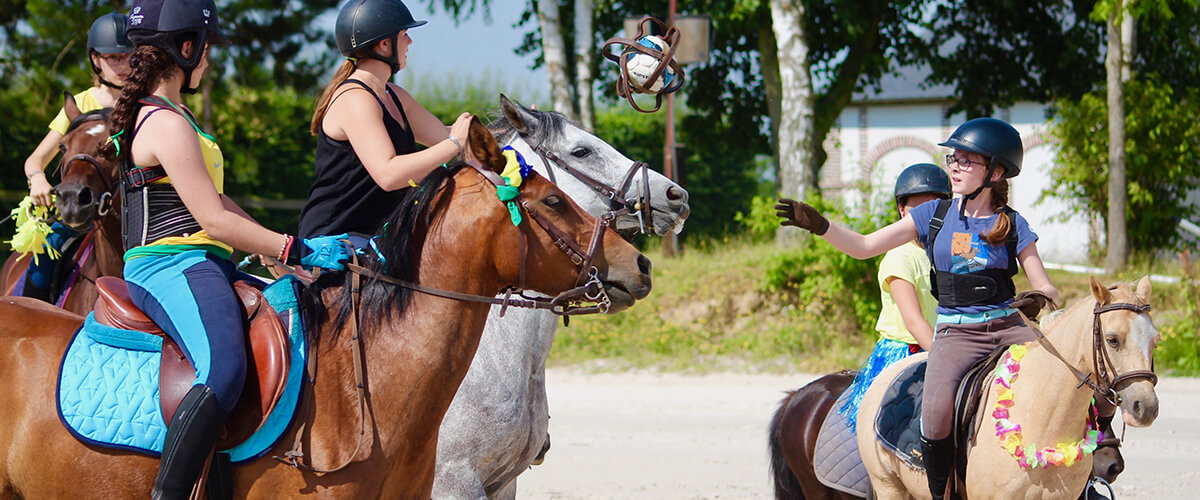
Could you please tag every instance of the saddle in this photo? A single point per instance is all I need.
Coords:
(267, 356)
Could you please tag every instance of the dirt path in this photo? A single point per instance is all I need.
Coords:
(643, 436)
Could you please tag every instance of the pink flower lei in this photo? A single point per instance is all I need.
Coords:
(1030, 456)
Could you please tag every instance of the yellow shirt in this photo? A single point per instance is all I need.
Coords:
(909, 263)
(85, 100)
(214, 163)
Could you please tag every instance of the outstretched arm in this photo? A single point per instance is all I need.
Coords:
(859, 246)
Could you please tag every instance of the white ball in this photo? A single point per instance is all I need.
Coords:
(640, 66)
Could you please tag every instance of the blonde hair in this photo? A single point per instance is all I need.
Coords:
(999, 231)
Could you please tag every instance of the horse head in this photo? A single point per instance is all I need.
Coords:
(88, 184)
(1126, 341)
(599, 177)
(555, 221)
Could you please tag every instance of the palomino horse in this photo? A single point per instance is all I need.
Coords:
(88, 202)
(792, 442)
(416, 346)
(497, 423)
(1108, 338)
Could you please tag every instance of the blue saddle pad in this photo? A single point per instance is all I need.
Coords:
(108, 384)
(898, 422)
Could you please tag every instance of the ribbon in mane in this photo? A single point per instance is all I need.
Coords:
(515, 172)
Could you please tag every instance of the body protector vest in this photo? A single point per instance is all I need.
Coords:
(152, 211)
(985, 287)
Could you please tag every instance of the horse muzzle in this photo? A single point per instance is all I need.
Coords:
(77, 205)
(1139, 403)
(623, 287)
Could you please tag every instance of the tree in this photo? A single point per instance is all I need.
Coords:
(269, 39)
(585, 61)
(1116, 71)
(554, 53)
(796, 112)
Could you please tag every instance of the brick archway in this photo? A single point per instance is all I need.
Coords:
(898, 142)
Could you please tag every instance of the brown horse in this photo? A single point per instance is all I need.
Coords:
(89, 202)
(792, 441)
(1109, 338)
(417, 347)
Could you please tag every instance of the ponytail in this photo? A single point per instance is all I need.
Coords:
(343, 73)
(1000, 230)
(148, 66)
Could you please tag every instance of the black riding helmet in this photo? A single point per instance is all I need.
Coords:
(923, 178)
(362, 23)
(166, 24)
(107, 36)
(993, 138)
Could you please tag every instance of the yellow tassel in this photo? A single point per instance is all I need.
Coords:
(33, 229)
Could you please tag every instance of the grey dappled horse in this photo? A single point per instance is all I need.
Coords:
(497, 423)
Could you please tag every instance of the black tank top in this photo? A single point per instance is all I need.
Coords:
(344, 198)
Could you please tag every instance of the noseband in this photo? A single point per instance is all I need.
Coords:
(1107, 378)
(617, 203)
(104, 203)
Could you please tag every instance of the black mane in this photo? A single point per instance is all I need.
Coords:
(399, 241)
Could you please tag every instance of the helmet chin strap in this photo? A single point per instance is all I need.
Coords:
(393, 61)
(109, 84)
(987, 182)
(186, 88)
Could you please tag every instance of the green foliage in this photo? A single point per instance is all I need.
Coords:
(816, 274)
(22, 129)
(1179, 350)
(478, 93)
(760, 222)
(1162, 158)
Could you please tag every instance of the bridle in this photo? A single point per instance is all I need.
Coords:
(104, 202)
(1107, 378)
(588, 295)
(618, 204)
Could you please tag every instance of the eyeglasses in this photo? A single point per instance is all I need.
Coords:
(114, 59)
(963, 163)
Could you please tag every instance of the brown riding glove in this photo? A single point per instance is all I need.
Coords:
(801, 215)
(1032, 302)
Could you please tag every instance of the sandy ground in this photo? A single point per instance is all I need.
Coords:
(643, 436)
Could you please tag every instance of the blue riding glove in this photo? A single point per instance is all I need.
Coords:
(326, 252)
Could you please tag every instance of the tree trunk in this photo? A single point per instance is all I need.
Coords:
(796, 111)
(1118, 245)
(554, 52)
(585, 54)
(768, 60)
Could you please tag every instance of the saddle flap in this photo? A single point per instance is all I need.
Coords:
(115, 308)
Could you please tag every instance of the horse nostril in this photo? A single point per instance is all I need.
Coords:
(1137, 408)
(84, 197)
(674, 193)
(643, 264)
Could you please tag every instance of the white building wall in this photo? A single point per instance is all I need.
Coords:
(878, 140)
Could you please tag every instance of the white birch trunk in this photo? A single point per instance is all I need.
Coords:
(796, 100)
(555, 54)
(585, 53)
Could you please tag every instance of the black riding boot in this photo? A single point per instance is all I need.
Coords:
(193, 432)
(938, 455)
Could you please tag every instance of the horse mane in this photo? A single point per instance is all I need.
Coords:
(399, 241)
(1053, 319)
(98, 114)
(549, 127)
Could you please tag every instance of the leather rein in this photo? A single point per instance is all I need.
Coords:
(104, 203)
(1105, 371)
(619, 205)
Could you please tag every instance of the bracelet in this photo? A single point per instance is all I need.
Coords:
(456, 143)
(30, 176)
(286, 248)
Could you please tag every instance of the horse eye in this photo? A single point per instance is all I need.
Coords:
(1112, 342)
(580, 152)
(552, 201)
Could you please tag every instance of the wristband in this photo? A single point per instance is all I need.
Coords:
(285, 249)
(456, 143)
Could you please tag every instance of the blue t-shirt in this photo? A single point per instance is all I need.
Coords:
(960, 247)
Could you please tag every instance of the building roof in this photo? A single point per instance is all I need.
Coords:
(906, 84)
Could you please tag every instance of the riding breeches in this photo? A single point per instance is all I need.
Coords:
(956, 347)
(190, 297)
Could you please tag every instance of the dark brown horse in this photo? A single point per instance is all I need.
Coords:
(89, 202)
(417, 347)
(792, 440)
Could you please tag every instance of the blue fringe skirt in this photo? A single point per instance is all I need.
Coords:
(885, 354)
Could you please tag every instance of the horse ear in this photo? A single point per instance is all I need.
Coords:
(1143, 289)
(1103, 296)
(483, 146)
(521, 118)
(69, 106)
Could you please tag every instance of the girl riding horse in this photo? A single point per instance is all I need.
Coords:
(974, 243)
(108, 53)
(180, 229)
(368, 129)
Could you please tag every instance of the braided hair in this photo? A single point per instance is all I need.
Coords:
(148, 65)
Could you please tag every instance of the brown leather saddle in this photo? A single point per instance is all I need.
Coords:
(267, 356)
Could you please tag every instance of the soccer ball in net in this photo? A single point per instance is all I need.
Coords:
(640, 66)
